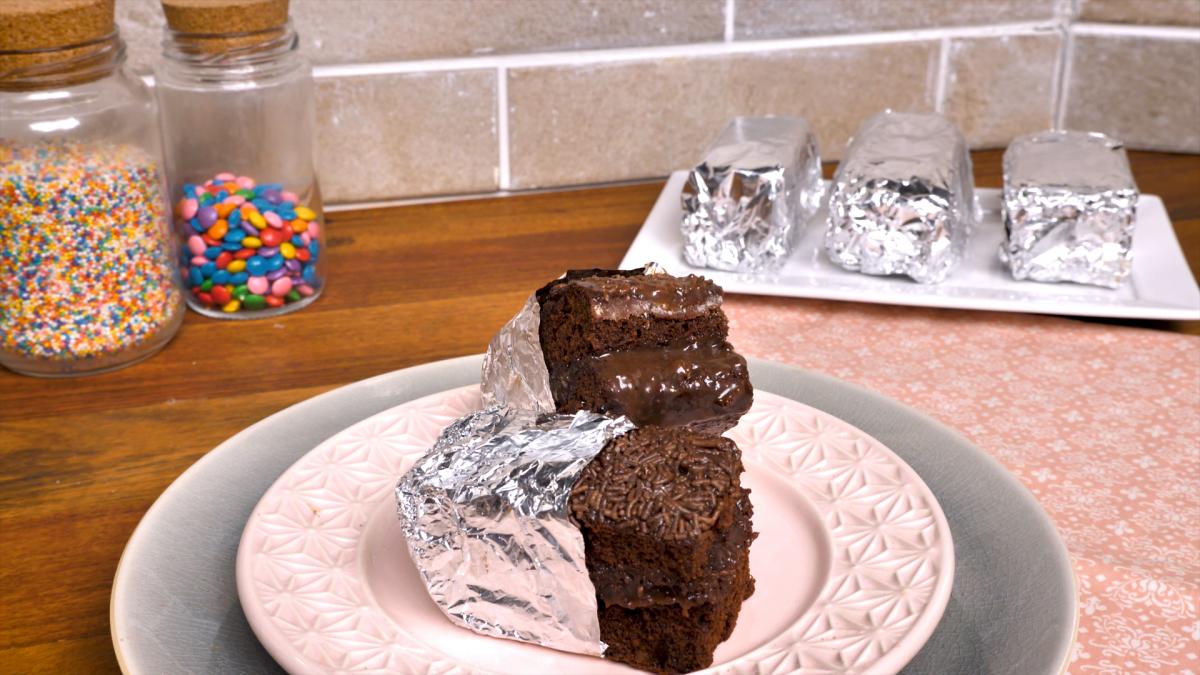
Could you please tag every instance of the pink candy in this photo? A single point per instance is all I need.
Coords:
(236, 200)
(224, 177)
(196, 245)
(273, 219)
(188, 209)
(245, 182)
(281, 286)
(305, 290)
(306, 238)
(314, 230)
(258, 285)
(289, 197)
(198, 261)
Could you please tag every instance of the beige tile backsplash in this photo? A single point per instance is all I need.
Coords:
(436, 97)
(571, 124)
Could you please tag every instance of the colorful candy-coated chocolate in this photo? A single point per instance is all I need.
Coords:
(258, 285)
(247, 246)
(196, 245)
(207, 215)
(188, 208)
(272, 237)
(221, 295)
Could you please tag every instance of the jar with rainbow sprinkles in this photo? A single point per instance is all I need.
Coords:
(88, 278)
(237, 116)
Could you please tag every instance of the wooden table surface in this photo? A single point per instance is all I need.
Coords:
(81, 460)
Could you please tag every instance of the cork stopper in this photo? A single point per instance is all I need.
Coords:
(225, 17)
(44, 32)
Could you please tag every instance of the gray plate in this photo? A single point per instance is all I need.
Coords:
(175, 608)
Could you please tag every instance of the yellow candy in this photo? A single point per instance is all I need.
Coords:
(305, 213)
(287, 250)
(233, 306)
(236, 266)
(257, 220)
(251, 242)
(299, 225)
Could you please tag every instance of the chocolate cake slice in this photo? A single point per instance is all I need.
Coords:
(651, 347)
(667, 529)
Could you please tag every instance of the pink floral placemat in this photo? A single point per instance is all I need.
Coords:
(1101, 423)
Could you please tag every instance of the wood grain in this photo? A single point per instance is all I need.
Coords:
(81, 460)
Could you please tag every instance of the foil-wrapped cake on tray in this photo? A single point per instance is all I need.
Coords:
(613, 494)
(901, 222)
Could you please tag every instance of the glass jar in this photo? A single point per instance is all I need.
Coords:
(88, 281)
(237, 120)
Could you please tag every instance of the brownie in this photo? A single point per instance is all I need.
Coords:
(667, 529)
(652, 347)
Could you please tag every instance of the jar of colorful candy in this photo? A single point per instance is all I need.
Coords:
(237, 119)
(88, 279)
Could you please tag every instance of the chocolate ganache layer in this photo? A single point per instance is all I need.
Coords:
(649, 346)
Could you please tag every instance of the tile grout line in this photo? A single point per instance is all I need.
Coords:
(1125, 30)
(729, 11)
(504, 169)
(625, 54)
(943, 72)
(1062, 76)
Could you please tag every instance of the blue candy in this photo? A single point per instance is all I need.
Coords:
(232, 246)
(212, 252)
(190, 190)
(235, 235)
(239, 278)
(274, 262)
(234, 218)
(256, 266)
(196, 276)
(221, 277)
(314, 249)
(297, 241)
(309, 274)
(208, 269)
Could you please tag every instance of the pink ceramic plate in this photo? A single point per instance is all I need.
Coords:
(854, 562)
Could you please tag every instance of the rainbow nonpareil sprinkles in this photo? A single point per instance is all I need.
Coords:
(85, 269)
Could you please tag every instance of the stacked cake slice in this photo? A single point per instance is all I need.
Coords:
(666, 530)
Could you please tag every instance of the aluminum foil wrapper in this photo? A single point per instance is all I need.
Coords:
(746, 203)
(485, 513)
(1069, 208)
(902, 201)
(514, 370)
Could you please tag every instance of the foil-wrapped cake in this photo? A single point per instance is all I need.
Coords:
(639, 343)
(902, 200)
(548, 518)
(1069, 208)
(746, 203)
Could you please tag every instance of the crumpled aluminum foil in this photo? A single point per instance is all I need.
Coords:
(485, 513)
(514, 369)
(746, 203)
(903, 199)
(1069, 208)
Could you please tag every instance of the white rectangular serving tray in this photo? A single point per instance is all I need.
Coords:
(1160, 287)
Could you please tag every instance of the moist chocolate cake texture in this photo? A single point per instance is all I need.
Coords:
(652, 347)
(667, 529)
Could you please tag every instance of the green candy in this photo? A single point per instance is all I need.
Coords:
(293, 295)
(241, 292)
(253, 301)
(207, 285)
(248, 194)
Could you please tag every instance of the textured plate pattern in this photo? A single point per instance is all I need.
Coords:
(300, 564)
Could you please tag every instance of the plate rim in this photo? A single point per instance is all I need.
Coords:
(894, 659)
(403, 378)
(1121, 309)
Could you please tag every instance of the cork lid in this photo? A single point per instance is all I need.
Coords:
(27, 25)
(51, 32)
(225, 17)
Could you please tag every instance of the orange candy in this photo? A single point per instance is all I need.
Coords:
(218, 230)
